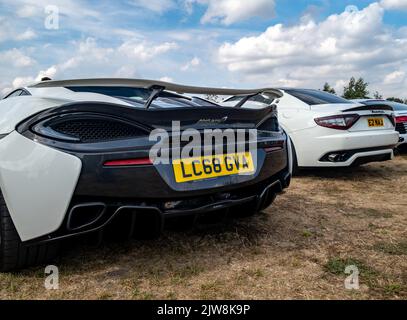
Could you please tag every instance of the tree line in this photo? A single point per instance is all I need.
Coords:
(358, 89)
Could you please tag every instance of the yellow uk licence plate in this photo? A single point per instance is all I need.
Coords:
(375, 122)
(199, 168)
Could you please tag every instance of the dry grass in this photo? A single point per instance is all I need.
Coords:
(298, 249)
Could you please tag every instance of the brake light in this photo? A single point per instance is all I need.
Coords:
(401, 119)
(340, 122)
(128, 162)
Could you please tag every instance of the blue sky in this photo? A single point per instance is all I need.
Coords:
(233, 43)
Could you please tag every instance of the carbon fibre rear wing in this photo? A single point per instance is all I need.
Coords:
(157, 87)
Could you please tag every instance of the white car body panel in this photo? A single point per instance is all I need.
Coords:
(30, 172)
(16, 109)
(397, 113)
(13, 110)
(39, 168)
(311, 141)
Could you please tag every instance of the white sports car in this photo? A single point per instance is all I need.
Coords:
(75, 158)
(329, 131)
(400, 111)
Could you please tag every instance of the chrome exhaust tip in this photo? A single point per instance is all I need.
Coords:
(334, 157)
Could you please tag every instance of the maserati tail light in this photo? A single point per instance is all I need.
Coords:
(401, 119)
(339, 122)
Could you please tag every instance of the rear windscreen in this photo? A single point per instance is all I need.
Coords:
(315, 97)
(254, 102)
(139, 96)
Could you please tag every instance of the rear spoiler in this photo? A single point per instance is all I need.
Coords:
(383, 107)
(157, 87)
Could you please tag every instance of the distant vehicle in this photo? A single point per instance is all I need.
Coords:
(75, 154)
(329, 131)
(400, 111)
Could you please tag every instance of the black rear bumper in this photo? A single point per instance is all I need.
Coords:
(258, 195)
(152, 182)
(104, 192)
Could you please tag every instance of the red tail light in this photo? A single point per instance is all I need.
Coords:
(340, 122)
(128, 162)
(401, 119)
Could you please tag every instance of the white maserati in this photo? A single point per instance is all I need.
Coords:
(329, 131)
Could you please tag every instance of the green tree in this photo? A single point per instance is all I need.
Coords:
(396, 100)
(356, 89)
(377, 95)
(328, 88)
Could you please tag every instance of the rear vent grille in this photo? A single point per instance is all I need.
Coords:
(96, 130)
(402, 127)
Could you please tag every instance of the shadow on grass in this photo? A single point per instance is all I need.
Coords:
(363, 172)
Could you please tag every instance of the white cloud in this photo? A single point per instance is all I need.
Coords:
(74, 9)
(26, 35)
(191, 64)
(26, 11)
(231, 11)
(9, 32)
(353, 43)
(5, 91)
(22, 81)
(166, 79)
(158, 6)
(23, 20)
(126, 71)
(394, 4)
(89, 54)
(189, 6)
(143, 50)
(16, 58)
(50, 73)
(89, 59)
(395, 77)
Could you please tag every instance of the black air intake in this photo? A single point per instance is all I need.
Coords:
(88, 128)
(96, 130)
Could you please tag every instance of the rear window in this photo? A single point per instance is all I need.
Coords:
(17, 93)
(258, 101)
(315, 97)
(138, 96)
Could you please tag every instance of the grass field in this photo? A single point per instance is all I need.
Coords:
(297, 249)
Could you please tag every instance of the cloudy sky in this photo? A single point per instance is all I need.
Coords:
(227, 43)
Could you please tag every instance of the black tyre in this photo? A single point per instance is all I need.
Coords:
(402, 149)
(13, 253)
